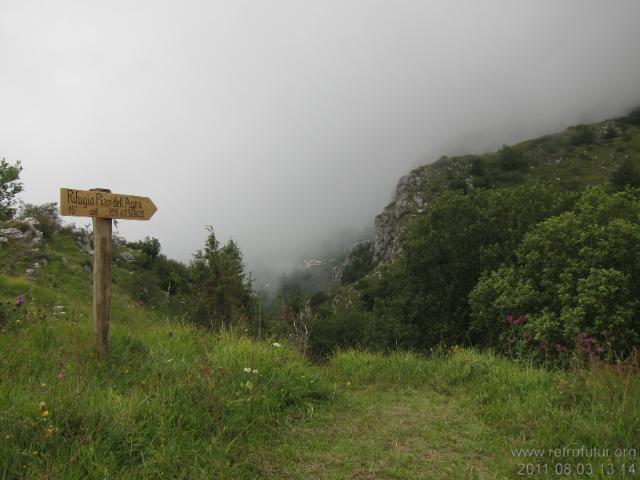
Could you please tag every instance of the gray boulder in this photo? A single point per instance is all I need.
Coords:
(118, 241)
(11, 233)
(127, 257)
(37, 239)
(31, 222)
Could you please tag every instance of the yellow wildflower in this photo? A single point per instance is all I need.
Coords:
(44, 413)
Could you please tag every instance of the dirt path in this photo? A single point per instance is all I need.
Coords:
(390, 435)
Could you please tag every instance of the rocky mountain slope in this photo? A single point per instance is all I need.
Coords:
(579, 156)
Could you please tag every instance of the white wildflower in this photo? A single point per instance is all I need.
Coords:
(247, 370)
(277, 345)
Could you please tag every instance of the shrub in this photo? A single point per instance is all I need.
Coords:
(582, 135)
(477, 167)
(511, 159)
(610, 131)
(10, 186)
(461, 236)
(46, 214)
(627, 174)
(355, 329)
(576, 282)
(150, 248)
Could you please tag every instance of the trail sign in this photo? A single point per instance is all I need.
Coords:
(103, 206)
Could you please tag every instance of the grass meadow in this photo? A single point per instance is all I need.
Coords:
(179, 402)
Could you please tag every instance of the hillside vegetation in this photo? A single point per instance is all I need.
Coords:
(530, 251)
(174, 400)
(499, 342)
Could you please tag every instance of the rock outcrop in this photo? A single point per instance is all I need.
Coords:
(84, 239)
(128, 257)
(25, 230)
(359, 257)
(409, 198)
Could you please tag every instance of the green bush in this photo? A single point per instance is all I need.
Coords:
(356, 328)
(150, 247)
(626, 174)
(610, 131)
(10, 186)
(446, 250)
(46, 214)
(477, 167)
(511, 159)
(582, 135)
(575, 285)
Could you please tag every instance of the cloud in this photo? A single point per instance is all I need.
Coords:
(282, 123)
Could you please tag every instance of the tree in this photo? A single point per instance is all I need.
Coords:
(150, 248)
(222, 291)
(575, 284)
(627, 174)
(446, 250)
(477, 167)
(10, 186)
(511, 159)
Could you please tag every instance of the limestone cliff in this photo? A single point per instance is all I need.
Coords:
(410, 197)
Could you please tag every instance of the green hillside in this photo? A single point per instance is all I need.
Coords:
(573, 159)
(174, 400)
(530, 251)
(457, 360)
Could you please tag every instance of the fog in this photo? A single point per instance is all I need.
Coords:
(286, 124)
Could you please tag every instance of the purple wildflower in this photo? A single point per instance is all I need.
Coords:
(560, 348)
(544, 345)
(19, 300)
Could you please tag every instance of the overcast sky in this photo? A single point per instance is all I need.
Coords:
(282, 123)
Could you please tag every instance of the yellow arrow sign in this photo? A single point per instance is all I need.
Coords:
(95, 203)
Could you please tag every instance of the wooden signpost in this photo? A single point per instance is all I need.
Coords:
(103, 206)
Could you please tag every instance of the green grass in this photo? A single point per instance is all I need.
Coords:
(174, 401)
(458, 415)
(170, 401)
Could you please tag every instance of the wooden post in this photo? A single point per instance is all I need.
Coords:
(103, 206)
(101, 280)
